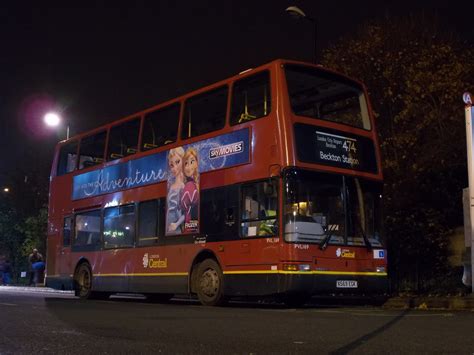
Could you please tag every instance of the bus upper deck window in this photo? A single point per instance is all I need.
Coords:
(67, 158)
(205, 113)
(251, 98)
(91, 150)
(160, 127)
(123, 139)
(319, 94)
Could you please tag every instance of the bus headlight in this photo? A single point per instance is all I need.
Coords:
(380, 269)
(296, 267)
(305, 267)
(290, 267)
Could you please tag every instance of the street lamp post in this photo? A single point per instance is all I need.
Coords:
(469, 231)
(52, 119)
(297, 13)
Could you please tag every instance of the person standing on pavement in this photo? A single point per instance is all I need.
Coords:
(36, 266)
(7, 271)
(2, 268)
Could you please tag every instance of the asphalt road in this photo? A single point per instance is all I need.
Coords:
(40, 322)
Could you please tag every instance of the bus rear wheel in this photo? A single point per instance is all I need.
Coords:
(83, 281)
(83, 284)
(210, 283)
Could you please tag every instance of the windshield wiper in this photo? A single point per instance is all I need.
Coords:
(364, 236)
(324, 243)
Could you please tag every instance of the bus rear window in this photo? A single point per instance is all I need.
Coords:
(318, 94)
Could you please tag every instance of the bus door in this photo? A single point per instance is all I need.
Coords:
(64, 249)
(259, 222)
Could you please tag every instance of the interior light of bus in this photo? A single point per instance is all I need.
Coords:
(302, 205)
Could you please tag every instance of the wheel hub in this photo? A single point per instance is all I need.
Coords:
(210, 282)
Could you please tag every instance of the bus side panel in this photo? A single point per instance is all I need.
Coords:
(52, 256)
(159, 284)
(141, 270)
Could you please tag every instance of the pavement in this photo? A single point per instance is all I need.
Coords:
(37, 289)
(455, 303)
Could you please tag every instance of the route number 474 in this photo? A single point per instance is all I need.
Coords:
(349, 146)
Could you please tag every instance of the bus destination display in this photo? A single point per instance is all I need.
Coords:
(329, 147)
(338, 149)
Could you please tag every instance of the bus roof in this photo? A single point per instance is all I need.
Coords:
(244, 73)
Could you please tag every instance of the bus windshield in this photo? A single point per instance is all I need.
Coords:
(332, 209)
(318, 94)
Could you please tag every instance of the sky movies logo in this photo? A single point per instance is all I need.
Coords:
(225, 150)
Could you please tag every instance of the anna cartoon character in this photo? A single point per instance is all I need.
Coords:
(174, 214)
(190, 195)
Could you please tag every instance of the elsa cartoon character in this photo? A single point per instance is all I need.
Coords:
(174, 215)
(190, 196)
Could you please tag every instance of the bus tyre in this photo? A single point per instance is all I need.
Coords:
(83, 281)
(83, 284)
(210, 283)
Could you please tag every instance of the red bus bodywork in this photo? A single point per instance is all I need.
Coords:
(252, 266)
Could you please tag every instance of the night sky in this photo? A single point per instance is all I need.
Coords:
(100, 61)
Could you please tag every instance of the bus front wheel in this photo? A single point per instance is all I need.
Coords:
(210, 283)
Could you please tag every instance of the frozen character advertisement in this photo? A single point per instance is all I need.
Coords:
(182, 201)
(190, 195)
(175, 187)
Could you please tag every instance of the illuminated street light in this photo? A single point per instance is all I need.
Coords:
(297, 13)
(6, 189)
(52, 119)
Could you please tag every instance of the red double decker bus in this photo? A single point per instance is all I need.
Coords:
(264, 184)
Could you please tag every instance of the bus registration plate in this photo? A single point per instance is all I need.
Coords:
(346, 284)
